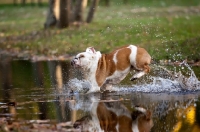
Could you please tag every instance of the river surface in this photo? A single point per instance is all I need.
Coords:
(41, 93)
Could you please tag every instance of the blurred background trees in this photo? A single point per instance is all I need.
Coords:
(147, 23)
(23, 2)
(63, 13)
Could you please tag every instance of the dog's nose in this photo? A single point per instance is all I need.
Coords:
(74, 61)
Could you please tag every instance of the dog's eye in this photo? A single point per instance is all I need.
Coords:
(81, 56)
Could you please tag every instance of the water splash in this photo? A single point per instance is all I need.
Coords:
(167, 82)
(160, 85)
(190, 83)
(163, 81)
(76, 85)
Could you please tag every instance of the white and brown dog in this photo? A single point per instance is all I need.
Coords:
(103, 70)
(115, 117)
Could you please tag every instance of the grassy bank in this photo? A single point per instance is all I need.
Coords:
(166, 30)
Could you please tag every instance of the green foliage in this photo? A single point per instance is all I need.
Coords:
(154, 3)
(167, 31)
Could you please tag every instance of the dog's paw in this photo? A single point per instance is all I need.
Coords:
(133, 78)
(93, 90)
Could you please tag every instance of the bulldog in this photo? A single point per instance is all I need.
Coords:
(104, 70)
(115, 117)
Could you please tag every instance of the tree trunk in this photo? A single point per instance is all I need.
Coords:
(79, 10)
(92, 10)
(64, 17)
(32, 2)
(78, 13)
(15, 2)
(58, 14)
(51, 19)
(107, 2)
(39, 2)
(23, 2)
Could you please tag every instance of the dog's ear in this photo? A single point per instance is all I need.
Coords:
(91, 50)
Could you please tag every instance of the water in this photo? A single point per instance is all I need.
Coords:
(36, 95)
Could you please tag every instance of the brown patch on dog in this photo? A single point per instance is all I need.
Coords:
(123, 60)
(101, 70)
(107, 119)
(106, 67)
(111, 67)
(143, 59)
(125, 124)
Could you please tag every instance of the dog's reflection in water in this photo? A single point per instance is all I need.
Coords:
(115, 117)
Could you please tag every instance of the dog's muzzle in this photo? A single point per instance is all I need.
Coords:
(74, 62)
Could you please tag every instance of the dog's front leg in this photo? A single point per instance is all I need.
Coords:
(93, 89)
(106, 87)
(108, 84)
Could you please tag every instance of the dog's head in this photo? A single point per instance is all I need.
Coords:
(86, 59)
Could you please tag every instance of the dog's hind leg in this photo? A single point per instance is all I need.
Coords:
(140, 73)
(140, 63)
(137, 75)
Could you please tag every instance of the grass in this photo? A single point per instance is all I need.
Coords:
(167, 29)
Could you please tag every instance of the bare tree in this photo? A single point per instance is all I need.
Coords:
(15, 2)
(51, 18)
(64, 18)
(78, 13)
(58, 13)
(23, 2)
(39, 2)
(92, 10)
(32, 2)
(107, 2)
(62, 13)
(79, 9)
